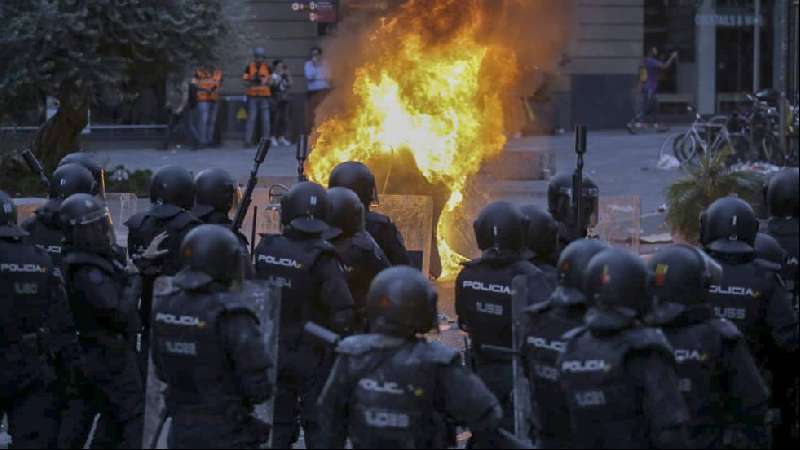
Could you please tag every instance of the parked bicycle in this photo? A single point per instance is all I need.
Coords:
(709, 134)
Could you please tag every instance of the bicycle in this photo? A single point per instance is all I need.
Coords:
(707, 135)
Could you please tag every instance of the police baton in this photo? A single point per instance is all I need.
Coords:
(302, 155)
(247, 199)
(577, 181)
(36, 167)
(322, 334)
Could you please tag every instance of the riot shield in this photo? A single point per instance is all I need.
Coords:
(155, 411)
(265, 299)
(522, 396)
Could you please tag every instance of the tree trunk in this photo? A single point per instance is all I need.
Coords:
(60, 135)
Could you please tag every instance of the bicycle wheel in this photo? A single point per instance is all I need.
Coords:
(685, 148)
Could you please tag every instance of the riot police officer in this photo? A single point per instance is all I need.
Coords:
(215, 194)
(313, 288)
(86, 161)
(43, 228)
(36, 332)
(103, 295)
(483, 297)
(46, 232)
(546, 325)
(726, 396)
(749, 294)
(619, 376)
(167, 222)
(542, 239)
(358, 178)
(770, 254)
(559, 204)
(361, 257)
(784, 208)
(386, 388)
(208, 348)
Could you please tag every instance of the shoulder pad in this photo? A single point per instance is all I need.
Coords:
(183, 220)
(324, 246)
(80, 258)
(439, 353)
(538, 308)
(378, 218)
(233, 303)
(364, 343)
(647, 338)
(727, 329)
(573, 333)
(135, 221)
(363, 242)
(767, 265)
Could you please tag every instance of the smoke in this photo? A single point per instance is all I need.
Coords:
(535, 32)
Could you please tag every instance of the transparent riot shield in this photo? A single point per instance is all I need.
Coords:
(413, 216)
(264, 299)
(522, 397)
(155, 411)
(620, 221)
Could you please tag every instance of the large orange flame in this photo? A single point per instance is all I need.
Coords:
(436, 95)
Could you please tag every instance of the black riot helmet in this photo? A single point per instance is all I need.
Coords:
(8, 219)
(345, 212)
(83, 159)
(542, 235)
(215, 188)
(357, 177)
(572, 270)
(782, 193)
(69, 179)
(401, 302)
(210, 253)
(616, 281)
(87, 224)
(770, 252)
(501, 226)
(559, 199)
(682, 275)
(304, 208)
(172, 185)
(729, 226)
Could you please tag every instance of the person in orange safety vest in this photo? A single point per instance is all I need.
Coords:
(259, 95)
(207, 82)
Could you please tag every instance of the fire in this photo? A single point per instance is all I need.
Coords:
(428, 85)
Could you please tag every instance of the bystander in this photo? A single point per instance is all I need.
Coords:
(179, 126)
(257, 77)
(319, 84)
(281, 85)
(207, 82)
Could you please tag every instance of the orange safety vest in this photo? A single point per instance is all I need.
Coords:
(260, 74)
(208, 85)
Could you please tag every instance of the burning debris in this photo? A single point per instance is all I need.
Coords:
(433, 85)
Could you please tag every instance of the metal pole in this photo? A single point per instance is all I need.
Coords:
(757, 46)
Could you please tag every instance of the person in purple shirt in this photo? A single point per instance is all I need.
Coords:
(649, 74)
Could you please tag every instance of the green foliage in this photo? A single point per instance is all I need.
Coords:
(709, 180)
(98, 47)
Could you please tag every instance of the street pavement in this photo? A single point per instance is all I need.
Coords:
(621, 165)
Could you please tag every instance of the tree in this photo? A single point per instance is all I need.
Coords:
(710, 180)
(85, 52)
